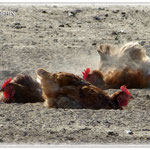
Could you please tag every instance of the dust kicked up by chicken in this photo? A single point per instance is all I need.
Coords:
(66, 90)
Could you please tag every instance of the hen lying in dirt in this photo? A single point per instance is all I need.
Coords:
(131, 55)
(114, 79)
(127, 65)
(79, 93)
(22, 89)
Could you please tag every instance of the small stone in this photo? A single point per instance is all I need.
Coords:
(114, 33)
(122, 32)
(50, 27)
(106, 15)
(142, 42)
(96, 18)
(52, 132)
(71, 14)
(25, 133)
(101, 8)
(70, 138)
(17, 23)
(1, 141)
(145, 129)
(55, 40)
(61, 25)
(116, 38)
(44, 11)
(123, 13)
(148, 96)
(129, 132)
(93, 43)
(111, 133)
(68, 25)
(7, 119)
(115, 11)
(77, 11)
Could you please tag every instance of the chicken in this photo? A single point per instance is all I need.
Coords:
(82, 93)
(52, 83)
(131, 55)
(95, 77)
(126, 65)
(114, 79)
(22, 89)
(129, 77)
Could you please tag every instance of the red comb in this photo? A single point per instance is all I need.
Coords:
(85, 73)
(124, 89)
(5, 83)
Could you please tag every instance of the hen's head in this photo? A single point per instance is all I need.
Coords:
(95, 77)
(8, 89)
(124, 97)
(85, 73)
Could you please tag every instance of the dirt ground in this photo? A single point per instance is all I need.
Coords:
(66, 38)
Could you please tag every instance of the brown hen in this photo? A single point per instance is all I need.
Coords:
(22, 89)
(80, 92)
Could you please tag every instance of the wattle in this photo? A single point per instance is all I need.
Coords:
(6, 95)
(125, 103)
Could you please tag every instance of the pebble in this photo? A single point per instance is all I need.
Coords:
(145, 129)
(62, 25)
(44, 11)
(96, 18)
(106, 15)
(17, 25)
(116, 38)
(142, 42)
(71, 14)
(101, 8)
(123, 13)
(25, 133)
(129, 132)
(55, 40)
(148, 96)
(68, 25)
(115, 11)
(114, 33)
(122, 31)
(93, 43)
(112, 133)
